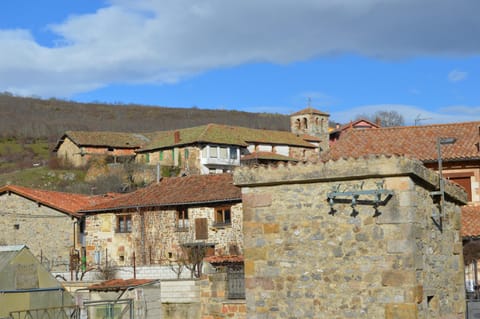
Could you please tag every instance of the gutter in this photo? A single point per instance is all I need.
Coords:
(160, 205)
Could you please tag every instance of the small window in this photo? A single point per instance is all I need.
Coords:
(223, 216)
(124, 223)
(182, 221)
(223, 152)
(160, 155)
(110, 149)
(186, 153)
(233, 153)
(213, 152)
(147, 158)
(236, 282)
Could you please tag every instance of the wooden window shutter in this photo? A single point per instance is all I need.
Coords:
(201, 228)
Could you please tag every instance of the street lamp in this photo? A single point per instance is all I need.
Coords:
(442, 141)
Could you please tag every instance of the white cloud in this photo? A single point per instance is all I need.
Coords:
(411, 113)
(457, 76)
(163, 41)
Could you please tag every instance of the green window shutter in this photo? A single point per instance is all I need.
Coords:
(186, 153)
(160, 155)
(147, 158)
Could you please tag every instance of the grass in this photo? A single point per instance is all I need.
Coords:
(43, 177)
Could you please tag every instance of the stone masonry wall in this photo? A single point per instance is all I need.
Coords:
(47, 233)
(160, 240)
(213, 299)
(303, 260)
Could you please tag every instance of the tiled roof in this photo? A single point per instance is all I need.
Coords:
(120, 284)
(355, 123)
(217, 260)
(64, 202)
(173, 191)
(267, 156)
(223, 134)
(415, 141)
(105, 139)
(309, 110)
(470, 221)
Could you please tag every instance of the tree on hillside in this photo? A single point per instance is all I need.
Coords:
(386, 118)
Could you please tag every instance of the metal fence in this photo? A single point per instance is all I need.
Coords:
(109, 309)
(71, 312)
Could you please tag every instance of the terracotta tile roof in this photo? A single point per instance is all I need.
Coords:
(174, 191)
(64, 202)
(120, 284)
(105, 139)
(223, 134)
(356, 124)
(470, 221)
(218, 260)
(415, 141)
(268, 156)
(309, 110)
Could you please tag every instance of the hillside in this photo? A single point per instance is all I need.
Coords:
(36, 118)
(30, 127)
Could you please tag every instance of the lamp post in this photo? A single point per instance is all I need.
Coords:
(442, 141)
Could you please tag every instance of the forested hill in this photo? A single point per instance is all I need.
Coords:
(22, 117)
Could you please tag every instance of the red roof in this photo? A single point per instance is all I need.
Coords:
(216, 260)
(120, 284)
(65, 202)
(470, 221)
(415, 141)
(172, 191)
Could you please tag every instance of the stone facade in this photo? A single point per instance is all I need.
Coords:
(48, 233)
(187, 159)
(214, 302)
(156, 237)
(71, 153)
(307, 259)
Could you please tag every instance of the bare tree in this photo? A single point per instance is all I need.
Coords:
(385, 118)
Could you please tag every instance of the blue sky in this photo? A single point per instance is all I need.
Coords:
(349, 57)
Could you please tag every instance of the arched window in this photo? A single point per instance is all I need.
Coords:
(298, 124)
(305, 123)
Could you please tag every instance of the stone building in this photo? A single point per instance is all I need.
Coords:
(46, 221)
(205, 149)
(156, 222)
(458, 146)
(353, 238)
(77, 148)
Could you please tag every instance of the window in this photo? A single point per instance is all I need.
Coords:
(147, 158)
(464, 180)
(124, 223)
(223, 216)
(182, 220)
(186, 153)
(223, 152)
(213, 152)
(160, 155)
(233, 153)
(236, 282)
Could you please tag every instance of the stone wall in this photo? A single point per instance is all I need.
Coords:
(305, 260)
(155, 238)
(48, 233)
(213, 299)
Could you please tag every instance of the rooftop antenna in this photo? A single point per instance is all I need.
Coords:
(309, 102)
(418, 119)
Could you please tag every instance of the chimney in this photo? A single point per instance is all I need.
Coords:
(176, 137)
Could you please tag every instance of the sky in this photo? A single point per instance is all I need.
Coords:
(344, 57)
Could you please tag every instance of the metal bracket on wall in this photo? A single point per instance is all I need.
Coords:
(356, 195)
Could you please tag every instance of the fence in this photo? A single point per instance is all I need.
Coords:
(71, 312)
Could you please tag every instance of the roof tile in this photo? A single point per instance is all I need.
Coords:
(415, 141)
